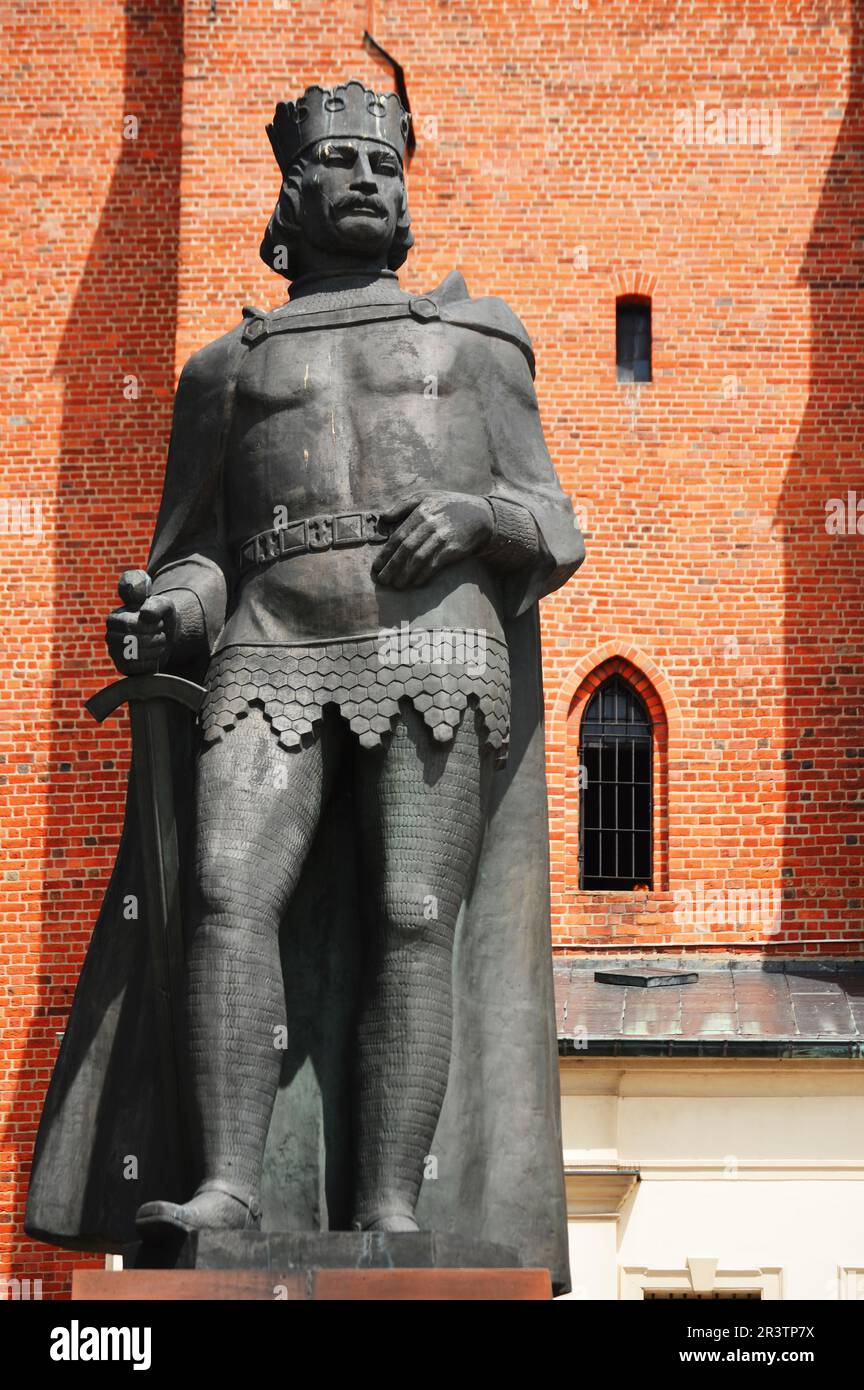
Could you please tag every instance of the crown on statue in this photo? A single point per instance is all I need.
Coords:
(326, 113)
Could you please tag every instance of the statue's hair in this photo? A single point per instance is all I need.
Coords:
(283, 229)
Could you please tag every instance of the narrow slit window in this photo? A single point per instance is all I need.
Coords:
(615, 849)
(633, 338)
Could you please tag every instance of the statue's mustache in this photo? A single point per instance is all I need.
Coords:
(360, 204)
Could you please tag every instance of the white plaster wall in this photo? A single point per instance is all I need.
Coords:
(758, 1165)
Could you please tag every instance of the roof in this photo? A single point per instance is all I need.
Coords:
(740, 1007)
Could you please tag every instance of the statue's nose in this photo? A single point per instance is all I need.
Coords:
(364, 180)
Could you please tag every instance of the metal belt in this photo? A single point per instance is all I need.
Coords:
(337, 531)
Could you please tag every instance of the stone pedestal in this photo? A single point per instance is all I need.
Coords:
(318, 1285)
(318, 1266)
(298, 1250)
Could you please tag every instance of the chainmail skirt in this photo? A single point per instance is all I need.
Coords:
(293, 686)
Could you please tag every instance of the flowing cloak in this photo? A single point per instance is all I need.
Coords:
(495, 1170)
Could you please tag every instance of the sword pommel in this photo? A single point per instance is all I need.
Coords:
(134, 588)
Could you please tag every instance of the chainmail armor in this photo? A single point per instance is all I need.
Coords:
(293, 686)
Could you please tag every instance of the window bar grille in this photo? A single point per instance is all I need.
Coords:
(616, 820)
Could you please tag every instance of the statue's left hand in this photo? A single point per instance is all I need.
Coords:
(437, 530)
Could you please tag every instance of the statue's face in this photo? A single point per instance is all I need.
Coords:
(351, 196)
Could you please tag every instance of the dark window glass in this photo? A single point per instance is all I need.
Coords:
(615, 753)
(633, 339)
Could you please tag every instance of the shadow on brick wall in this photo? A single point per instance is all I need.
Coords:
(824, 576)
(116, 363)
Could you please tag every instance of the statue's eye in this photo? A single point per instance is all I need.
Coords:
(337, 154)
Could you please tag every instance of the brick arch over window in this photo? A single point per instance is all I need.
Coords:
(659, 699)
(635, 282)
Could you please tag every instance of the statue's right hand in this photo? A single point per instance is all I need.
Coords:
(140, 639)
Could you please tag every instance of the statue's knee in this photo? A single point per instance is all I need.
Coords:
(235, 894)
(415, 912)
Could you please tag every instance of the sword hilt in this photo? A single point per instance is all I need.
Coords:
(134, 588)
(155, 687)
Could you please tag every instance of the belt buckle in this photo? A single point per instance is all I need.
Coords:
(319, 532)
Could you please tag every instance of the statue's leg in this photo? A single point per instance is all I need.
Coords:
(422, 810)
(257, 810)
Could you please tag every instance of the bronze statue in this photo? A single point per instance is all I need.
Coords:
(359, 516)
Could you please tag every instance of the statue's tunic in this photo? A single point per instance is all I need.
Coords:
(334, 408)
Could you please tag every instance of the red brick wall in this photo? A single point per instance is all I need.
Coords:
(549, 172)
(91, 254)
(709, 566)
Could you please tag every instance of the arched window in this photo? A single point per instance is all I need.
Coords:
(615, 824)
